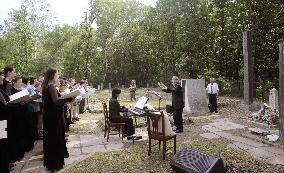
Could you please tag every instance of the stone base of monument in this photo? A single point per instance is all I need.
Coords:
(252, 107)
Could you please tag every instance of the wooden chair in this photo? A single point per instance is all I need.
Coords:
(109, 126)
(155, 133)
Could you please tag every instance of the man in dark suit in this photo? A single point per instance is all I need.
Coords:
(177, 101)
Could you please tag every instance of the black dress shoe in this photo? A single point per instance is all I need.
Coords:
(178, 131)
(137, 137)
(130, 137)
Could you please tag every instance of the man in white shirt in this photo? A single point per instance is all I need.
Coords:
(212, 90)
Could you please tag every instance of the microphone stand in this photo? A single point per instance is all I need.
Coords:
(160, 104)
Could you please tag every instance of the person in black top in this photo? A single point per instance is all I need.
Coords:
(114, 113)
(177, 101)
(16, 85)
(10, 74)
(4, 159)
(2, 77)
(54, 144)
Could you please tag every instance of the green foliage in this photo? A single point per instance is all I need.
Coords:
(122, 40)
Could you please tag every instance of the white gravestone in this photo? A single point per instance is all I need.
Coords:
(195, 96)
(3, 129)
(99, 87)
(109, 85)
(273, 98)
(102, 86)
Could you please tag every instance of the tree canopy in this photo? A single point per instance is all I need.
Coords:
(120, 40)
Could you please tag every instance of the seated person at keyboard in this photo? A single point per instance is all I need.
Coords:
(114, 113)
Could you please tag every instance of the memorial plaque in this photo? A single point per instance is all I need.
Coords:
(3, 129)
(273, 98)
(195, 97)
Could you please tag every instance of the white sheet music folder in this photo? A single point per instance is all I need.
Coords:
(74, 93)
(20, 97)
(3, 129)
(141, 102)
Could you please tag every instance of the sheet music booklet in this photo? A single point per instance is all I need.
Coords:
(141, 102)
(74, 93)
(19, 97)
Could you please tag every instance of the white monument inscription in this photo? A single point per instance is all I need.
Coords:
(195, 96)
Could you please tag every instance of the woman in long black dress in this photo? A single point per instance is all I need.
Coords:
(54, 144)
(4, 160)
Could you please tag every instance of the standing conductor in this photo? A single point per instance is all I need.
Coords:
(177, 101)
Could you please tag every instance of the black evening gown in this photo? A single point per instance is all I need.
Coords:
(4, 160)
(54, 144)
(20, 139)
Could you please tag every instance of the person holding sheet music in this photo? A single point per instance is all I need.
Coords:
(10, 74)
(4, 160)
(54, 144)
(177, 101)
(16, 85)
(2, 77)
(114, 113)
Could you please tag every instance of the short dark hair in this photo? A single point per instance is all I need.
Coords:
(82, 82)
(32, 80)
(115, 92)
(7, 70)
(25, 80)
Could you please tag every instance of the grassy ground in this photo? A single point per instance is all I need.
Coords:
(134, 158)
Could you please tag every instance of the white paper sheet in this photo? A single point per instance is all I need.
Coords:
(20, 97)
(74, 93)
(3, 129)
(141, 102)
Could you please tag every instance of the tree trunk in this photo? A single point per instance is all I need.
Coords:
(281, 90)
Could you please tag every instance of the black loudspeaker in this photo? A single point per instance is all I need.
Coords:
(192, 161)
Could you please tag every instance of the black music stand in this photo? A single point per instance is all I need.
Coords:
(160, 104)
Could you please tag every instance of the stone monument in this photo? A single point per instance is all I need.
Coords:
(195, 96)
(109, 85)
(99, 87)
(281, 91)
(273, 98)
(248, 68)
(102, 86)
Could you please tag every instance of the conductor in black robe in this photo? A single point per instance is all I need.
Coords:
(177, 101)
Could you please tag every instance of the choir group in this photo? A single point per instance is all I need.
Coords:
(46, 117)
